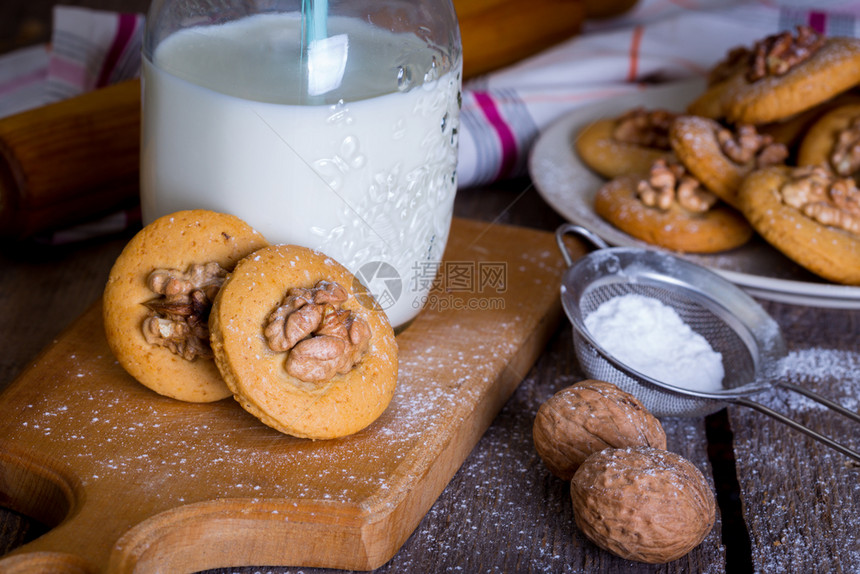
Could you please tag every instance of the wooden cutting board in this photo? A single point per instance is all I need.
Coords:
(134, 481)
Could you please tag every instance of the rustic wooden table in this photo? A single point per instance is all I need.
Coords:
(786, 503)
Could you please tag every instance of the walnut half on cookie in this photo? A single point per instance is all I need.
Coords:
(301, 344)
(159, 294)
(322, 338)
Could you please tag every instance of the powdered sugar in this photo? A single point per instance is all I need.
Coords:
(651, 338)
(810, 367)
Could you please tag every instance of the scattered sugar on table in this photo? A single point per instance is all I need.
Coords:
(651, 338)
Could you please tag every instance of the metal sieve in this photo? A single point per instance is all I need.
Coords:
(735, 326)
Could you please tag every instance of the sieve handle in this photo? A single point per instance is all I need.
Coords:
(583, 233)
(821, 400)
(799, 427)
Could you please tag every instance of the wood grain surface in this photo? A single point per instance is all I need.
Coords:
(163, 485)
(787, 504)
(502, 511)
(801, 499)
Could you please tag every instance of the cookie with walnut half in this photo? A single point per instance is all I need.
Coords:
(719, 156)
(159, 294)
(669, 208)
(834, 141)
(781, 75)
(302, 345)
(810, 215)
(625, 145)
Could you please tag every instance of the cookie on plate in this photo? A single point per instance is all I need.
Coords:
(791, 131)
(671, 209)
(834, 141)
(625, 145)
(782, 75)
(159, 294)
(720, 157)
(810, 215)
(302, 345)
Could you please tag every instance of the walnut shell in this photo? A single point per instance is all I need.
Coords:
(588, 417)
(642, 503)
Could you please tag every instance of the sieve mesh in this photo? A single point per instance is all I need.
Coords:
(738, 357)
(733, 324)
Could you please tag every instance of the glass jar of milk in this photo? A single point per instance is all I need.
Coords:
(329, 124)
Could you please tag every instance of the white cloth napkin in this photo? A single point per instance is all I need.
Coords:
(503, 112)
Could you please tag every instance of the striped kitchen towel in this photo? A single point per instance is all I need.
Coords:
(89, 49)
(503, 112)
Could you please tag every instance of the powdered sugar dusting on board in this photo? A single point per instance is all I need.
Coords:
(157, 442)
(456, 369)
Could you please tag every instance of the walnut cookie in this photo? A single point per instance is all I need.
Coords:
(670, 208)
(780, 76)
(791, 131)
(625, 145)
(834, 141)
(158, 297)
(810, 215)
(720, 157)
(299, 347)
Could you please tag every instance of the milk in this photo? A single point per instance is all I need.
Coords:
(227, 126)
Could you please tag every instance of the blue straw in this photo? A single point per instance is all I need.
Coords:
(319, 19)
(314, 20)
(314, 28)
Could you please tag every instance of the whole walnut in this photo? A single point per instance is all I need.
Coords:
(642, 503)
(588, 417)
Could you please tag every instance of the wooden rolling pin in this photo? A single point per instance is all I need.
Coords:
(70, 161)
(496, 33)
(64, 163)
